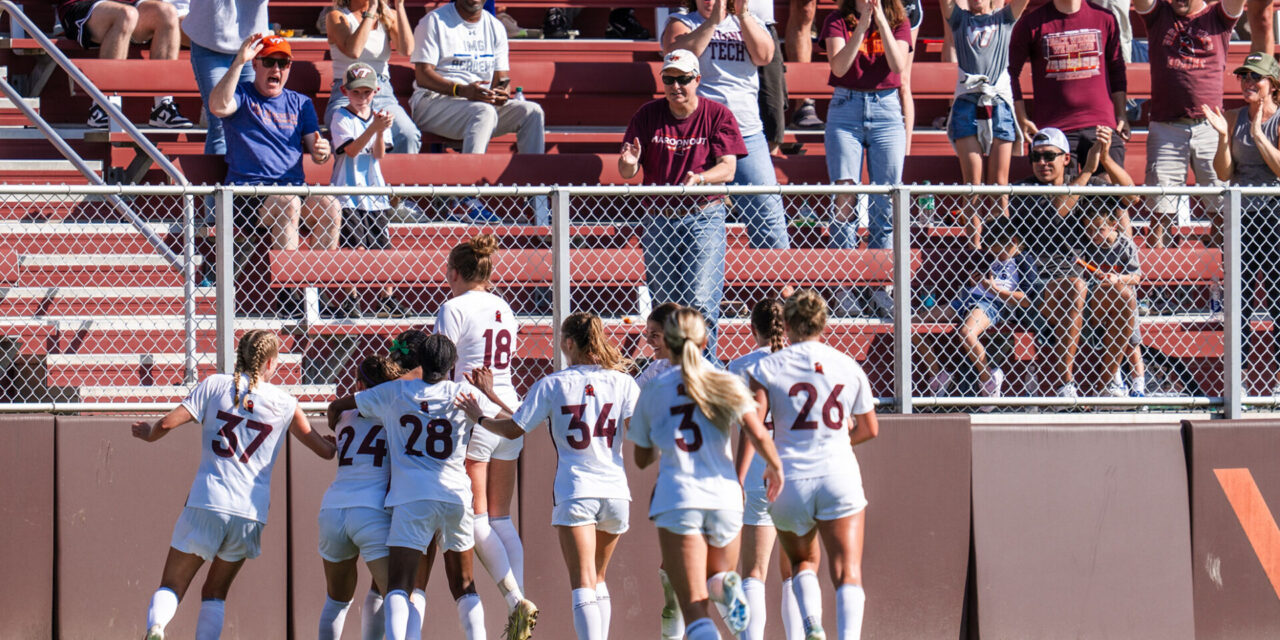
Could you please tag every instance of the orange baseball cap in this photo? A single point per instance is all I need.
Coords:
(275, 44)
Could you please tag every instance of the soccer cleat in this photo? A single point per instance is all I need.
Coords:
(813, 630)
(672, 618)
(521, 621)
(154, 633)
(97, 118)
(167, 116)
(737, 613)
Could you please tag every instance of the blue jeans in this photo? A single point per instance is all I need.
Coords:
(869, 121)
(684, 262)
(763, 214)
(405, 137)
(209, 67)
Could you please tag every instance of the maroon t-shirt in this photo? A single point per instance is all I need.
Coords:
(670, 148)
(1075, 65)
(870, 69)
(1188, 59)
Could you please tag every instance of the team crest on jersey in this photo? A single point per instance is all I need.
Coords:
(423, 405)
(817, 367)
(497, 316)
(591, 391)
(248, 405)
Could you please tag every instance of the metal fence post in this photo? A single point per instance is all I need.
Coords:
(225, 300)
(901, 199)
(189, 275)
(1233, 384)
(560, 273)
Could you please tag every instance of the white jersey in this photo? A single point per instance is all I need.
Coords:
(587, 406)
(695, 470)
(239, 445)
(742, 368)
(814, 392)
(364, 472)
(483, 328)
(426, 438)
(659, 365)
(728, 74)
(462, 52)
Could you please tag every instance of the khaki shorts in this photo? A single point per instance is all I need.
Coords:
(1171, 149)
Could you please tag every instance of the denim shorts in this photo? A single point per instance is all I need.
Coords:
(993, 308)
(964, 121)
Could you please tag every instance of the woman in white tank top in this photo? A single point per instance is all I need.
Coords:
(364, 31)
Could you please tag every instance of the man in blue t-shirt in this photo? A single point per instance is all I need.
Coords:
(268, 127)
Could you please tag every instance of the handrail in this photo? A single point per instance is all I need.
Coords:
(15, 13)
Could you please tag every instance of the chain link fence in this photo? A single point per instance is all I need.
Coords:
(1013, 298)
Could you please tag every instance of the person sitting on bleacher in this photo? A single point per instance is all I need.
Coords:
(684, 140)
(111, 26)
(267, 128)
(462, 81)
(364, 31)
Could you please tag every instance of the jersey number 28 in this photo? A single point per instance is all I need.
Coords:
(439, 441)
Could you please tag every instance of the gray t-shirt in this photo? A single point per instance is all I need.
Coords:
(222, 25)
(982, 42)
(728, 75)
(1119, 257)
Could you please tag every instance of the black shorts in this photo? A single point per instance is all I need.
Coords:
(364, 229)
(75, 19)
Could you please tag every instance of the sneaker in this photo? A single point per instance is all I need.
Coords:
(555, 24)
(882, 303)
(521, 621)
(806, 116)
(813, 630)
(994, 387)
(672, 618)
(1115, 390)
(737, 613)
(938, 384)
(1068, 390)
(97, 118)
(154, 633)
(391, 307)
(624, 26)
(348, 309)
(167, 116)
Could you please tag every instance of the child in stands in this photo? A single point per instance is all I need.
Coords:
(1111, 258)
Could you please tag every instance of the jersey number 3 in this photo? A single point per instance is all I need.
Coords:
(228, 433)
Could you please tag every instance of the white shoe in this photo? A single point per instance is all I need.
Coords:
(939, 384)
(672, 618)
(155, 633)
(1068, 390)
(994, 387)
(1115, 390)
(737, 613)
(813, 631)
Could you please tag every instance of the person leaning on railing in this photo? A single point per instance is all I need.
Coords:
(1248, 155)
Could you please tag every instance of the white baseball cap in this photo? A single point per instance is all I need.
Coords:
(682, 60)
(1051, 137)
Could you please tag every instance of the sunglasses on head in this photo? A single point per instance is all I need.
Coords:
(1045, 156)
(279, 63)
(681, 80)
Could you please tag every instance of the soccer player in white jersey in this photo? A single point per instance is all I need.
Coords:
(758, 534)
(484, 329)
(589, 405)
(243, 417)
(822, 406)
(353, 521)
(653, 337)
(684, 416)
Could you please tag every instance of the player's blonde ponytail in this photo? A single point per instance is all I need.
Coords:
(255, 349)
(587, 331)
(720, 396)
(805, 313)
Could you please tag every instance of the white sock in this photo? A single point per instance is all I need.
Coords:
(605, 604)
(492, 554)
(506, 531)
(702, 629)
(851, 601)
(209, 624)
(1139, 383)
(159, 100)
(418, 600)
(332, 618)
(471, 613)
(672, 627)
(586, 615)
(164, 603)
(809, 598)
(396, 609)
(715, 593)
(792, 621)
(372, 625)
(755, 602)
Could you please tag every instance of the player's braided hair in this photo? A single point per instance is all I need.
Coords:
(587, 331)
(471, 259)
(377, 369)
(720, 396)
(404, 348)
(255, 349)
(766, 321)
(436, 355)
(806, 313)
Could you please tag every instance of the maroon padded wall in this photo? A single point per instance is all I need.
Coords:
(118, 499)
(1234, 597)
(1081, 531)
(26, 525)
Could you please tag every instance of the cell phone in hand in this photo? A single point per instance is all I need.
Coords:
(502, 84)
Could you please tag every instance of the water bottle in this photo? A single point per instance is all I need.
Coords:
(1215, 296)
(925, 207)
(519, 94)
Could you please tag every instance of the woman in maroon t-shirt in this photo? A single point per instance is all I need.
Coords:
(867, 47)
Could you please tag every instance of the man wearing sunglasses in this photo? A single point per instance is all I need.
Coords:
(268, 127)
(1188, 42)
(683, 140)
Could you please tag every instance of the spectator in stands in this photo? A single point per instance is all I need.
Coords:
(981, 121)
(1119, 10)
(1262, 20)
(773, 79)
(1077, 73)
(868, 47)
(1111, 260)
(915, 17)
(462, 88)
(216, 29)
(799, 48)
(1188, 42)
(111, 26)
(684, 140)
(1248, 155)
(268, 127)
(731, 45)
(361, 136)
(364, 31)
(1052, 232)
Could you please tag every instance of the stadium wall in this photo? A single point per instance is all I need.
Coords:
(1079, 530)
